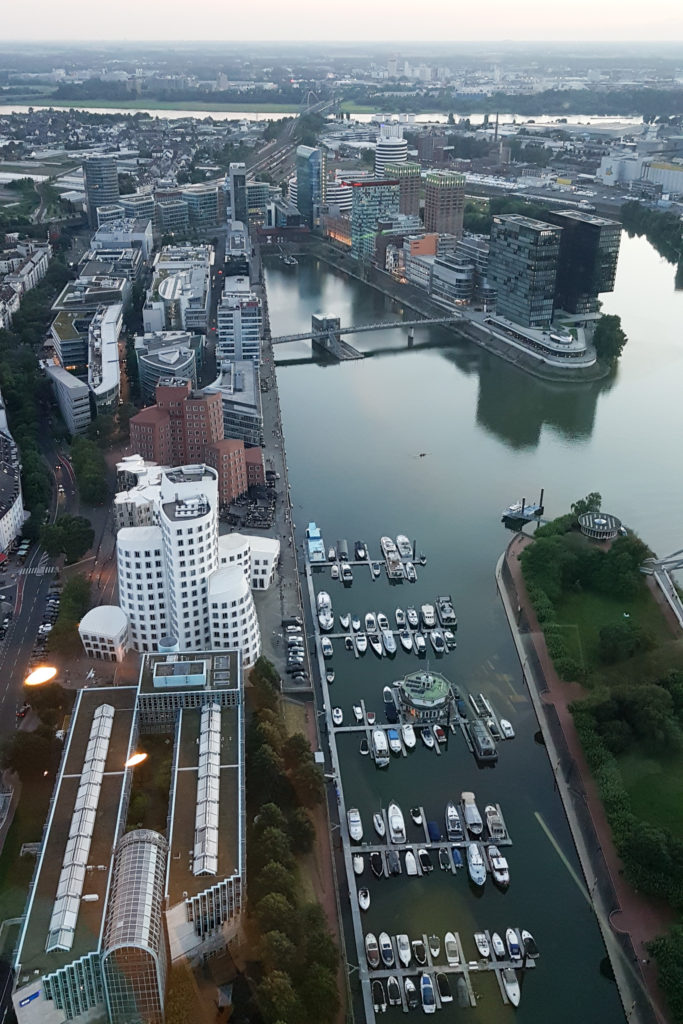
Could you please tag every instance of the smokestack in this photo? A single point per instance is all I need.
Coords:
(495, 136)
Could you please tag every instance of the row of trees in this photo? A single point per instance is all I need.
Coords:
(69, 535)
(298, 957)
(30, 754)
(479, 216)
(75, 602)
(662, 229)
(90, 469)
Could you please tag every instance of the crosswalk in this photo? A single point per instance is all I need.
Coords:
(39, 570)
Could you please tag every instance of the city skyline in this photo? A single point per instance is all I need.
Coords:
(533, 21)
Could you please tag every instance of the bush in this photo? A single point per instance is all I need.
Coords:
(668, 952)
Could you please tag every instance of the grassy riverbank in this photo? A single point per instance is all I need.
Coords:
(151, 104)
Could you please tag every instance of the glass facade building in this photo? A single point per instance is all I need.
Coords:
(523, 262)
(101, 184)
(309, 181)
(371, 202)
(589, 250)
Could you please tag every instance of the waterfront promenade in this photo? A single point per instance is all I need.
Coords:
(627, 920)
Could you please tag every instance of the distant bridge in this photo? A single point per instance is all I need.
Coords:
(319, 336)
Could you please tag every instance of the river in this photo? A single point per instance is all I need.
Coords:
(433, 443)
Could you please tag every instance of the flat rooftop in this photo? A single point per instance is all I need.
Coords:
(33, 959)
(221, 671)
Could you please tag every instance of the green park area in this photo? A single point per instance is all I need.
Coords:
(152, 104)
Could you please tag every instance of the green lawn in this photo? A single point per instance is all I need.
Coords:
(27, 827)
(349, 106)
(656, 789)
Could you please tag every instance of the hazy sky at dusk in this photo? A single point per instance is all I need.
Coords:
(358, 20)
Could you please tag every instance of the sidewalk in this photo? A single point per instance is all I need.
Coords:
(631, 915)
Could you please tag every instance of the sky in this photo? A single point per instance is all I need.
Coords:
(357, 20)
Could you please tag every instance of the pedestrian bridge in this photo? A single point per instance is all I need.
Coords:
(336, 329)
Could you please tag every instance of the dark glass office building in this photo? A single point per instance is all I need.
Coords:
(309, 181)
(523, 262)
(589, 249)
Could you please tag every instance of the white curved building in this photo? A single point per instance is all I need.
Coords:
(234, 623)
(293, 190)
(256, 556)
(142, 584)
(105, 633)
(391, 148)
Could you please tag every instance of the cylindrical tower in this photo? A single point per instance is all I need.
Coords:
(391, 148)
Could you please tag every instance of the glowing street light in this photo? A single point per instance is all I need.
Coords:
(40, 675)
(135, 759)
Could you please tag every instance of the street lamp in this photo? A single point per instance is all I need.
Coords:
(135, 759)
(40, 675)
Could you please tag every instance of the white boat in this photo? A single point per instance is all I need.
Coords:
(378, 822)
(382, 621)
(437, 641)
(404, 951)
(419, 952)
(453, 823)
(334, 572)
(416, 815)
(358, 863)
(371, 717)
(512, 943)
(380, 748)
(427, 994)
(472, 816)
(405, 548)
(364, 747)
(506, 729)
(376, 570)
(389, 549)
(482, 944)
(406, 638)
(411, 572)
(500, 871)
(449, 638)
(498, 946)
(370, 623)
(397, 826)
(355, 824)
(393, 990)
(394, 741)
(376, 643)
(451, 950)
(364, 899)
(355, 623)
(494, 823)
(411, 994)
(360, 551)
(412, 618)
(331, 555)
(337, 716)
(361, 643)
(325, 616)
(420, 643)
(434, 943)
(348, 643)
(346, 573)
(386, 950)
(379, 999)
(358, 712)
(411, 863)
(427, 737)
(445, 994)
(529, 947)
(511, 985)
(329, 676)
(400, 617)
(408, 734)
(439, 734)
(428, 616)
(371, 950)
(389, 641)
(326, 647)
(476, 865)
(345, 621)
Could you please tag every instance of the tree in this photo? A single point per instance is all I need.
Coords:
(274, 912)
(30, 754)
(275, 845)
(591, 503)
(182, 1000)
(277, 950)
(608, 338)
(301, 831)
(296, 749)
(278, 1001)
(622, 640)
(319, 994)
(668, 952)
(307, 780)
(270, 816)
(72, 535)
(274, 877)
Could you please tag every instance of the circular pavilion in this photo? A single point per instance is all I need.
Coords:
(599, 525)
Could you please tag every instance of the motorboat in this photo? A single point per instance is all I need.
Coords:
(420, 643)
(358, 863)
(427, 737)
(444, 988)
(376, 569)
(360, 551)
(445, 610)
(371, 717)
(355, 623)
(389, 641)
(406, 638)
(386, 950)
(400, 617)
(419, 952)
(405, 548)
(421, 558)
(437, 641)
(394, 741)
(355, 824)
(332, 555)
(476, 866)
(512, 943)
(403, 949)
(427, 994)
(498, 946)
(389, 549)
(337, 716)
(482, 944)
(408, 734)
(382, 621)
(434, 943)
(453, 823)
(325, 616)
(449, 638)
(364, 899)
(411, 863)
(346, 573)
(492, 726)
(361, 643)
(410, 571)
(377, 864)
(500, 871)
(482, 742)
(326, 647)
(370, 623)
(412, 618)
(425, 860)
(411, 994)
(379, 999)
(428, 616)
(358, 712)
(390, 709)
(445, 862)
(472, 816)
(343, 550)
(371, 950)
(416, 815)
(457, 857)
(393, 862)
(439, 734)
(494, 823)
(506, 729)
(529, 946)
(451, 950)
(511, 985)
(334, 572)
(364, 747)
(329, 676)
(397, 826)
(376, 644)
(380, 748)
(378, 822)
(345, 621)
(393, 990)
(348, 643)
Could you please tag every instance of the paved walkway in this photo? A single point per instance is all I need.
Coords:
(639, 918)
